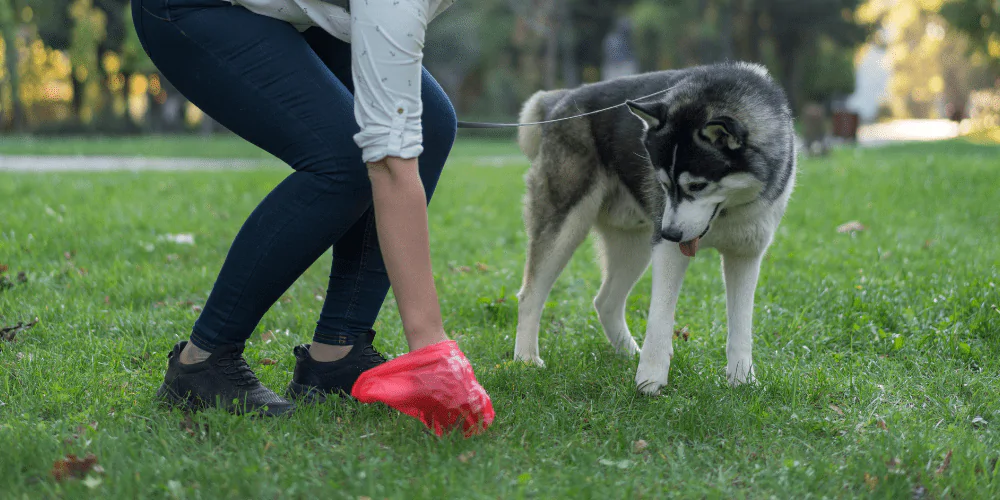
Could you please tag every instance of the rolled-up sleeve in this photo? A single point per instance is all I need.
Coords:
(387, 42)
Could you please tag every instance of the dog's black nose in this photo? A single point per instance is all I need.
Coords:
(671, 234)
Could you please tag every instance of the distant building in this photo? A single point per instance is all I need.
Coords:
(871, 82)
(619, 58)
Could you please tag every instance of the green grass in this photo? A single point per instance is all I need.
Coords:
(875, 351)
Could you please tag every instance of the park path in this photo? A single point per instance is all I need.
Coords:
(880, 134)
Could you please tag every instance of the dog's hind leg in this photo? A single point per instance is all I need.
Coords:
(624, 257)
(550, 245)
(741, 282)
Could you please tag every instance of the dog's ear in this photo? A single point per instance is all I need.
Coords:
(648, 113)
(724, 132)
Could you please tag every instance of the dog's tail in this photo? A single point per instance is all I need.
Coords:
(535, 110)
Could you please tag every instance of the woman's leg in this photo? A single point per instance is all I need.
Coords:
(259, 78)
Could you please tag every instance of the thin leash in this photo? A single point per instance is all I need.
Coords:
(462, 124)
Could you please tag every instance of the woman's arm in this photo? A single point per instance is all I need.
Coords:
(387, 39)
(401, 220)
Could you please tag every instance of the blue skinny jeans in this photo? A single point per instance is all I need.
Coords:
(291, 94)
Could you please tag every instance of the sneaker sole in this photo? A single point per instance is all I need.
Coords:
(171, 399)
(310, 394)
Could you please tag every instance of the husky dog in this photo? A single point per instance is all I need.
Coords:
(708, 164)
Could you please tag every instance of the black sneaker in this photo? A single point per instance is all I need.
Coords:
(314, 380)
(223, 380)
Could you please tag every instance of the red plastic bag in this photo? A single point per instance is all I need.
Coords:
(434, 384)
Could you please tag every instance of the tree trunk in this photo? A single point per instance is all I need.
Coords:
(17, 118)
(10, 35)
(77, 102)
(726, 30)
(570, 67)
(753, 33)
(551, 56)
(789, 53)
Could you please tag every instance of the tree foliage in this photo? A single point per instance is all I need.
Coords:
(491, 54)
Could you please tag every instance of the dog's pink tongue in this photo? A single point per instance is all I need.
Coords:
(689, 248)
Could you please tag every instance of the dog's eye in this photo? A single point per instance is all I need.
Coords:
(694, 187)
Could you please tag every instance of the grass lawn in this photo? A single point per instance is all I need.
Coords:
(878, 353)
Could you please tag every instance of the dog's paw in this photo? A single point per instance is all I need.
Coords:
(740, 373)
(649, 380)
(532, 360)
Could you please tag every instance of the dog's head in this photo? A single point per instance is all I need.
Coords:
(701, 144)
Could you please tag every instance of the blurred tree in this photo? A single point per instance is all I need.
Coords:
(9, 25)
(828, 71)
(797, 28)
(87, 33)
(980, 20)
(931, 71)
(134, 65)
(808, 44)
(492, 54)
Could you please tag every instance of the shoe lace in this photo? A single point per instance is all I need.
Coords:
(372, 355)
(236, 369)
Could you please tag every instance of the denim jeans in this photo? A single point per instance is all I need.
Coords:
(290, 93)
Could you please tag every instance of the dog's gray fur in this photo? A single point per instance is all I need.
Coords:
(711, 161)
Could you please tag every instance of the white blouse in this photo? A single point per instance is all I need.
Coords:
(387, 41)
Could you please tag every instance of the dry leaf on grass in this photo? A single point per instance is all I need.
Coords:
(192, 428)
(8, 334)
(944, 464)
(465, 457)
(871, 481)
(3, 268)
(461, 269)
(72, 467)
(639, 446)
(850, 227)
(683, 333)
(979, 421)
(482, 267)
(837, 409)
(267, 336)
(882, 425)
(268, 362)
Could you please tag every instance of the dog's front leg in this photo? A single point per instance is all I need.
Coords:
(741, 282)
(669, 265)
